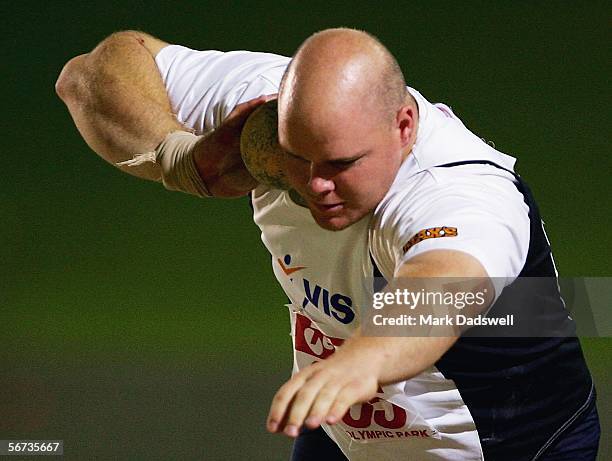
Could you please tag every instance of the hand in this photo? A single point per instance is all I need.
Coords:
(324, 391)
(229, 131)
(218, 158)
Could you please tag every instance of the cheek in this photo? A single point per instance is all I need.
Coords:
(368, 184)
(355, 185)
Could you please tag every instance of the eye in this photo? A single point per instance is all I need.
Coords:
(295, 157)
(343, 163)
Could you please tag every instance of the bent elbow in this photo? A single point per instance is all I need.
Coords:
(68, 82)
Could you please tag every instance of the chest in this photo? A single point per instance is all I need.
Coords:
(326, 275)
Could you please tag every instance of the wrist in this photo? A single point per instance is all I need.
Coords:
(175, 155)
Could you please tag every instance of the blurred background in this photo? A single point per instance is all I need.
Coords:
(141, 324)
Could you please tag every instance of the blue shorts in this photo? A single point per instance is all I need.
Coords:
(315, 445)
(579, 441)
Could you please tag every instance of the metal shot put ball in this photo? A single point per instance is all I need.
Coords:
(261, 152)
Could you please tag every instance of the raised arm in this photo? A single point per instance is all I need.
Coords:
(119, 104)
(118, 101)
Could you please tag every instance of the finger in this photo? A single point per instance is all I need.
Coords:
(347, 396)
(322, 405)
(299, 408)
(241, 112)
(283, 398)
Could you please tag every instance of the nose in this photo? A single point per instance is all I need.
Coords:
(318, 183)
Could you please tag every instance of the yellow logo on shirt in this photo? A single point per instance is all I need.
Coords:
(431, 233)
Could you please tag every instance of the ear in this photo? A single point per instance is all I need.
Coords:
(406, 124)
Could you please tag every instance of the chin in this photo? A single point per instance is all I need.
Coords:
(334, 223)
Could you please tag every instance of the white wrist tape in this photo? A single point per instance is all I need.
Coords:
(175, 157)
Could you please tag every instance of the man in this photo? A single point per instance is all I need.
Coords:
(393, 186)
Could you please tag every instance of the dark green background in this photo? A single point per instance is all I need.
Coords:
(141, 324)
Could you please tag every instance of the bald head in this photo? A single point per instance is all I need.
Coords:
(338, 74)
(346, 123)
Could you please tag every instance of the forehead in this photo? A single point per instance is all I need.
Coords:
(338, 137)
(327, 148)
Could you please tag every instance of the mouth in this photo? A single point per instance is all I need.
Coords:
(325, 208)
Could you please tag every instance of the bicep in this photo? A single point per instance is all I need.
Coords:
(117, 101)
(443, 269)
(491, 229)
(442, 263)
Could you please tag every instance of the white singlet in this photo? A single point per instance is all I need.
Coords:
(324, 273)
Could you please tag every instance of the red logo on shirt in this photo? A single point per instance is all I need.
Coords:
(431, 233)
(312, 341)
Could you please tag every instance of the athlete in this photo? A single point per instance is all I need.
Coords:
(390, 185)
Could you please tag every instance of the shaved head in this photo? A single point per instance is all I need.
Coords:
(340, 70)
(347, 122)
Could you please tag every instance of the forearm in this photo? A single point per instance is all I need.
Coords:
(398, 358)
(395, 359)
(118, 101)
(202, 165)
(324, 391)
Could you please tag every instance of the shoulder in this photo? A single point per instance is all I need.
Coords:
(478, 206)
(438, 189)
